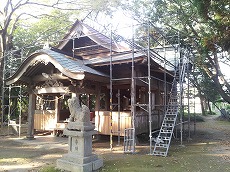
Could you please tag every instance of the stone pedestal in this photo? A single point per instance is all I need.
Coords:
(79, 157)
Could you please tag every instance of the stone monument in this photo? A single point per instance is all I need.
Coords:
(79, 131)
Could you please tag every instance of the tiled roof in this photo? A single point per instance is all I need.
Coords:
(115, 59)
(70, 64)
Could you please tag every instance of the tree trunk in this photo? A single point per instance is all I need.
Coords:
(3, 50)
(216, 77)
(209, 107)
(202, 103)
(202, 106)
(220, 90)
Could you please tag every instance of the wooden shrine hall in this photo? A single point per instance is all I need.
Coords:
(81, 66)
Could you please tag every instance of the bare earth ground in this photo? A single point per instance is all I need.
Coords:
(208, 150)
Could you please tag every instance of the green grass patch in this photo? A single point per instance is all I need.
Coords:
(191, 158)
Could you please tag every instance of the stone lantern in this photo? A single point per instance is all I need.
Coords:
(79, 131)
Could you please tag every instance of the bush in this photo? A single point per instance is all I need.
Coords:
(208, 113)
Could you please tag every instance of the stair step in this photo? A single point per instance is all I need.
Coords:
(170, 116)
(164, 138)
(160, 145)
(172, 106)
(173, 101)
(167, 125)
(171, 113)
(169, 119)
(168, 122)
(159, 153)
(172, 110)
(165, 131)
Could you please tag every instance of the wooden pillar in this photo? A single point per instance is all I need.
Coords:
(98, 93)
(97, 108)
(31, 111)
(158, 102)
(57, 108)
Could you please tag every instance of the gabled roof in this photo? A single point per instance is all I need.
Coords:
(68, 66)
(91, 49)
(87, 42)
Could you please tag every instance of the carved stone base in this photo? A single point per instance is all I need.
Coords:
(79, 131)
(79, 157)
(79, 164)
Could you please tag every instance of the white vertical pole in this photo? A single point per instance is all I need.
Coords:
(119, 115)
(133, 92)
(149, 92)
(111, 93)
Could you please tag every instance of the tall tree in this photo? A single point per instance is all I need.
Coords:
(31, 36)
(17, 17)
(203, 24)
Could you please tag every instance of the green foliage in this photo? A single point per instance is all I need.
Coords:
(212, 113)
(227, 107)
(209, 88)
(203, 25)
(49, 28)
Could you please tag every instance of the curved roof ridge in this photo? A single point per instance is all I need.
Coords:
(63, 63)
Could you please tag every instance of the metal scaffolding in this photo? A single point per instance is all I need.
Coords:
(154, 44)
(156, 50)
(11, 98)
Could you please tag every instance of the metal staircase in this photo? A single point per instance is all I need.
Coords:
(163, 140)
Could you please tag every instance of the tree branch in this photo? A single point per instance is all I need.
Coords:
(56, 6)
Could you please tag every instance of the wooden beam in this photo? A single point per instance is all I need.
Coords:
(55, 76)
(81, 90)
(47, 90)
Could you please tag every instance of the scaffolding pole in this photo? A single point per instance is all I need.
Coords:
(119, 117)
(180, 65)
(188, 96)
(3, 106)
(165, 83)
(11, 62)
(133, 93)
(20, 111)
(111, 93)
(149, 93)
